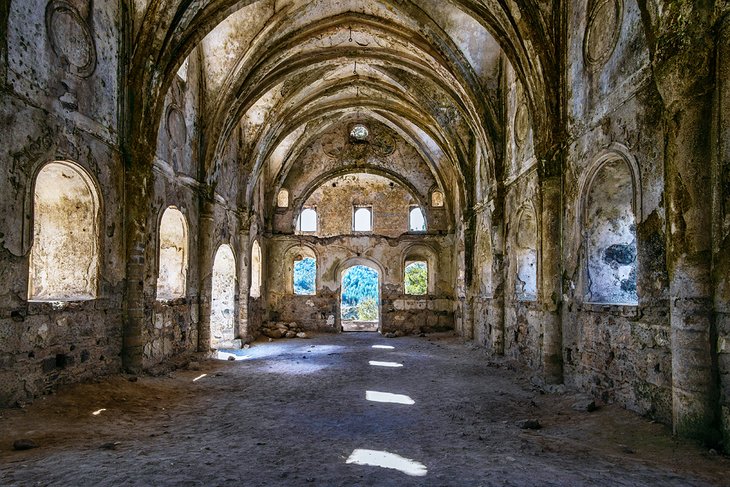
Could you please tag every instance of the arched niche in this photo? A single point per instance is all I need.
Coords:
(173, 255)
(301, 270)
(423, 254)
(282, 198)
(222, 308)
(525, 253)
(64, 258)
(256, 270)
(610, 201)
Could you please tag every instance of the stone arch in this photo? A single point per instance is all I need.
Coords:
(610, 210)
(172, 255)
(223, 292)
(353, 261)
(525, 253)
(64, 258)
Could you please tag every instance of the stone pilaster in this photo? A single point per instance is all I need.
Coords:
(551, 268)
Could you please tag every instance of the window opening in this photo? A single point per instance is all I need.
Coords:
(360, 299)
(223, 296)
(417, 222)
(282, 199)
(173, 256)
(416, 278)
(305, 275)
(307, 221)
(363, 219)
(255, 289)
(64, 259)
(437, 199)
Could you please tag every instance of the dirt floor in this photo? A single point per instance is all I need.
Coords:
(304, 412)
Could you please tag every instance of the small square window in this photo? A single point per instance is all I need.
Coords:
(363, 219)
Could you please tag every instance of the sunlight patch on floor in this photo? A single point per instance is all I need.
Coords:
(375, 363)
(227, 356)
(98, 412)
(384, 347)
(384, 459)
(376, 396)
(199, 377)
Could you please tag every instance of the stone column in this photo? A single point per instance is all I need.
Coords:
(244, 282)
(498, 283)
(684, 80)
(551, 268)
(205, 262)
(138, 189)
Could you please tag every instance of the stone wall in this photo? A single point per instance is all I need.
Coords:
(59, 103)
(398, 312)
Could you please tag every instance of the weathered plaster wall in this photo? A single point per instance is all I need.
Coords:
(175, 321)
(334, 154)
(336, 199)
(59, 102)
(619, 352)
(522, 316)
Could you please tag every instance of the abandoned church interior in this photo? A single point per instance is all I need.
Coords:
(534, 188)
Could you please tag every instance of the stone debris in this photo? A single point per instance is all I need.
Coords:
(280, 329)
(24, 444)
(585, 404)
(529, 424)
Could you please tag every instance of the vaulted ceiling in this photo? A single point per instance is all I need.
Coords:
(284, 72)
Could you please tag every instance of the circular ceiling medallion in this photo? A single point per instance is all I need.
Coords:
(522, 123)
(71, 38)
(602, 31)
(359, 132)
(176, 128)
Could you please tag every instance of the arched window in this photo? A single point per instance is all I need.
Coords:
(526, 255)
(223, 295)
(610, 235)
(255, 290)
(363, 219)
(416, 278)
(307, 221)
(64, 259)
(305, 275)
(416, 220)
(173, 257)
(437, 199)
(282, 199)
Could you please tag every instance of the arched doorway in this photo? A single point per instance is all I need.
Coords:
(360, 298)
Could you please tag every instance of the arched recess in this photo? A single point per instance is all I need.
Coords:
(300, 270)
(421, 253)
(525, 254)
(256, 270)
(610, 210)
(173, 255)
(222, 308)
(64, 259)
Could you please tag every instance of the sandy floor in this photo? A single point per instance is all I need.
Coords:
(296, 412)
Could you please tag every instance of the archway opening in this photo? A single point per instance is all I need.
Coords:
(360, 299)
(222, 308)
